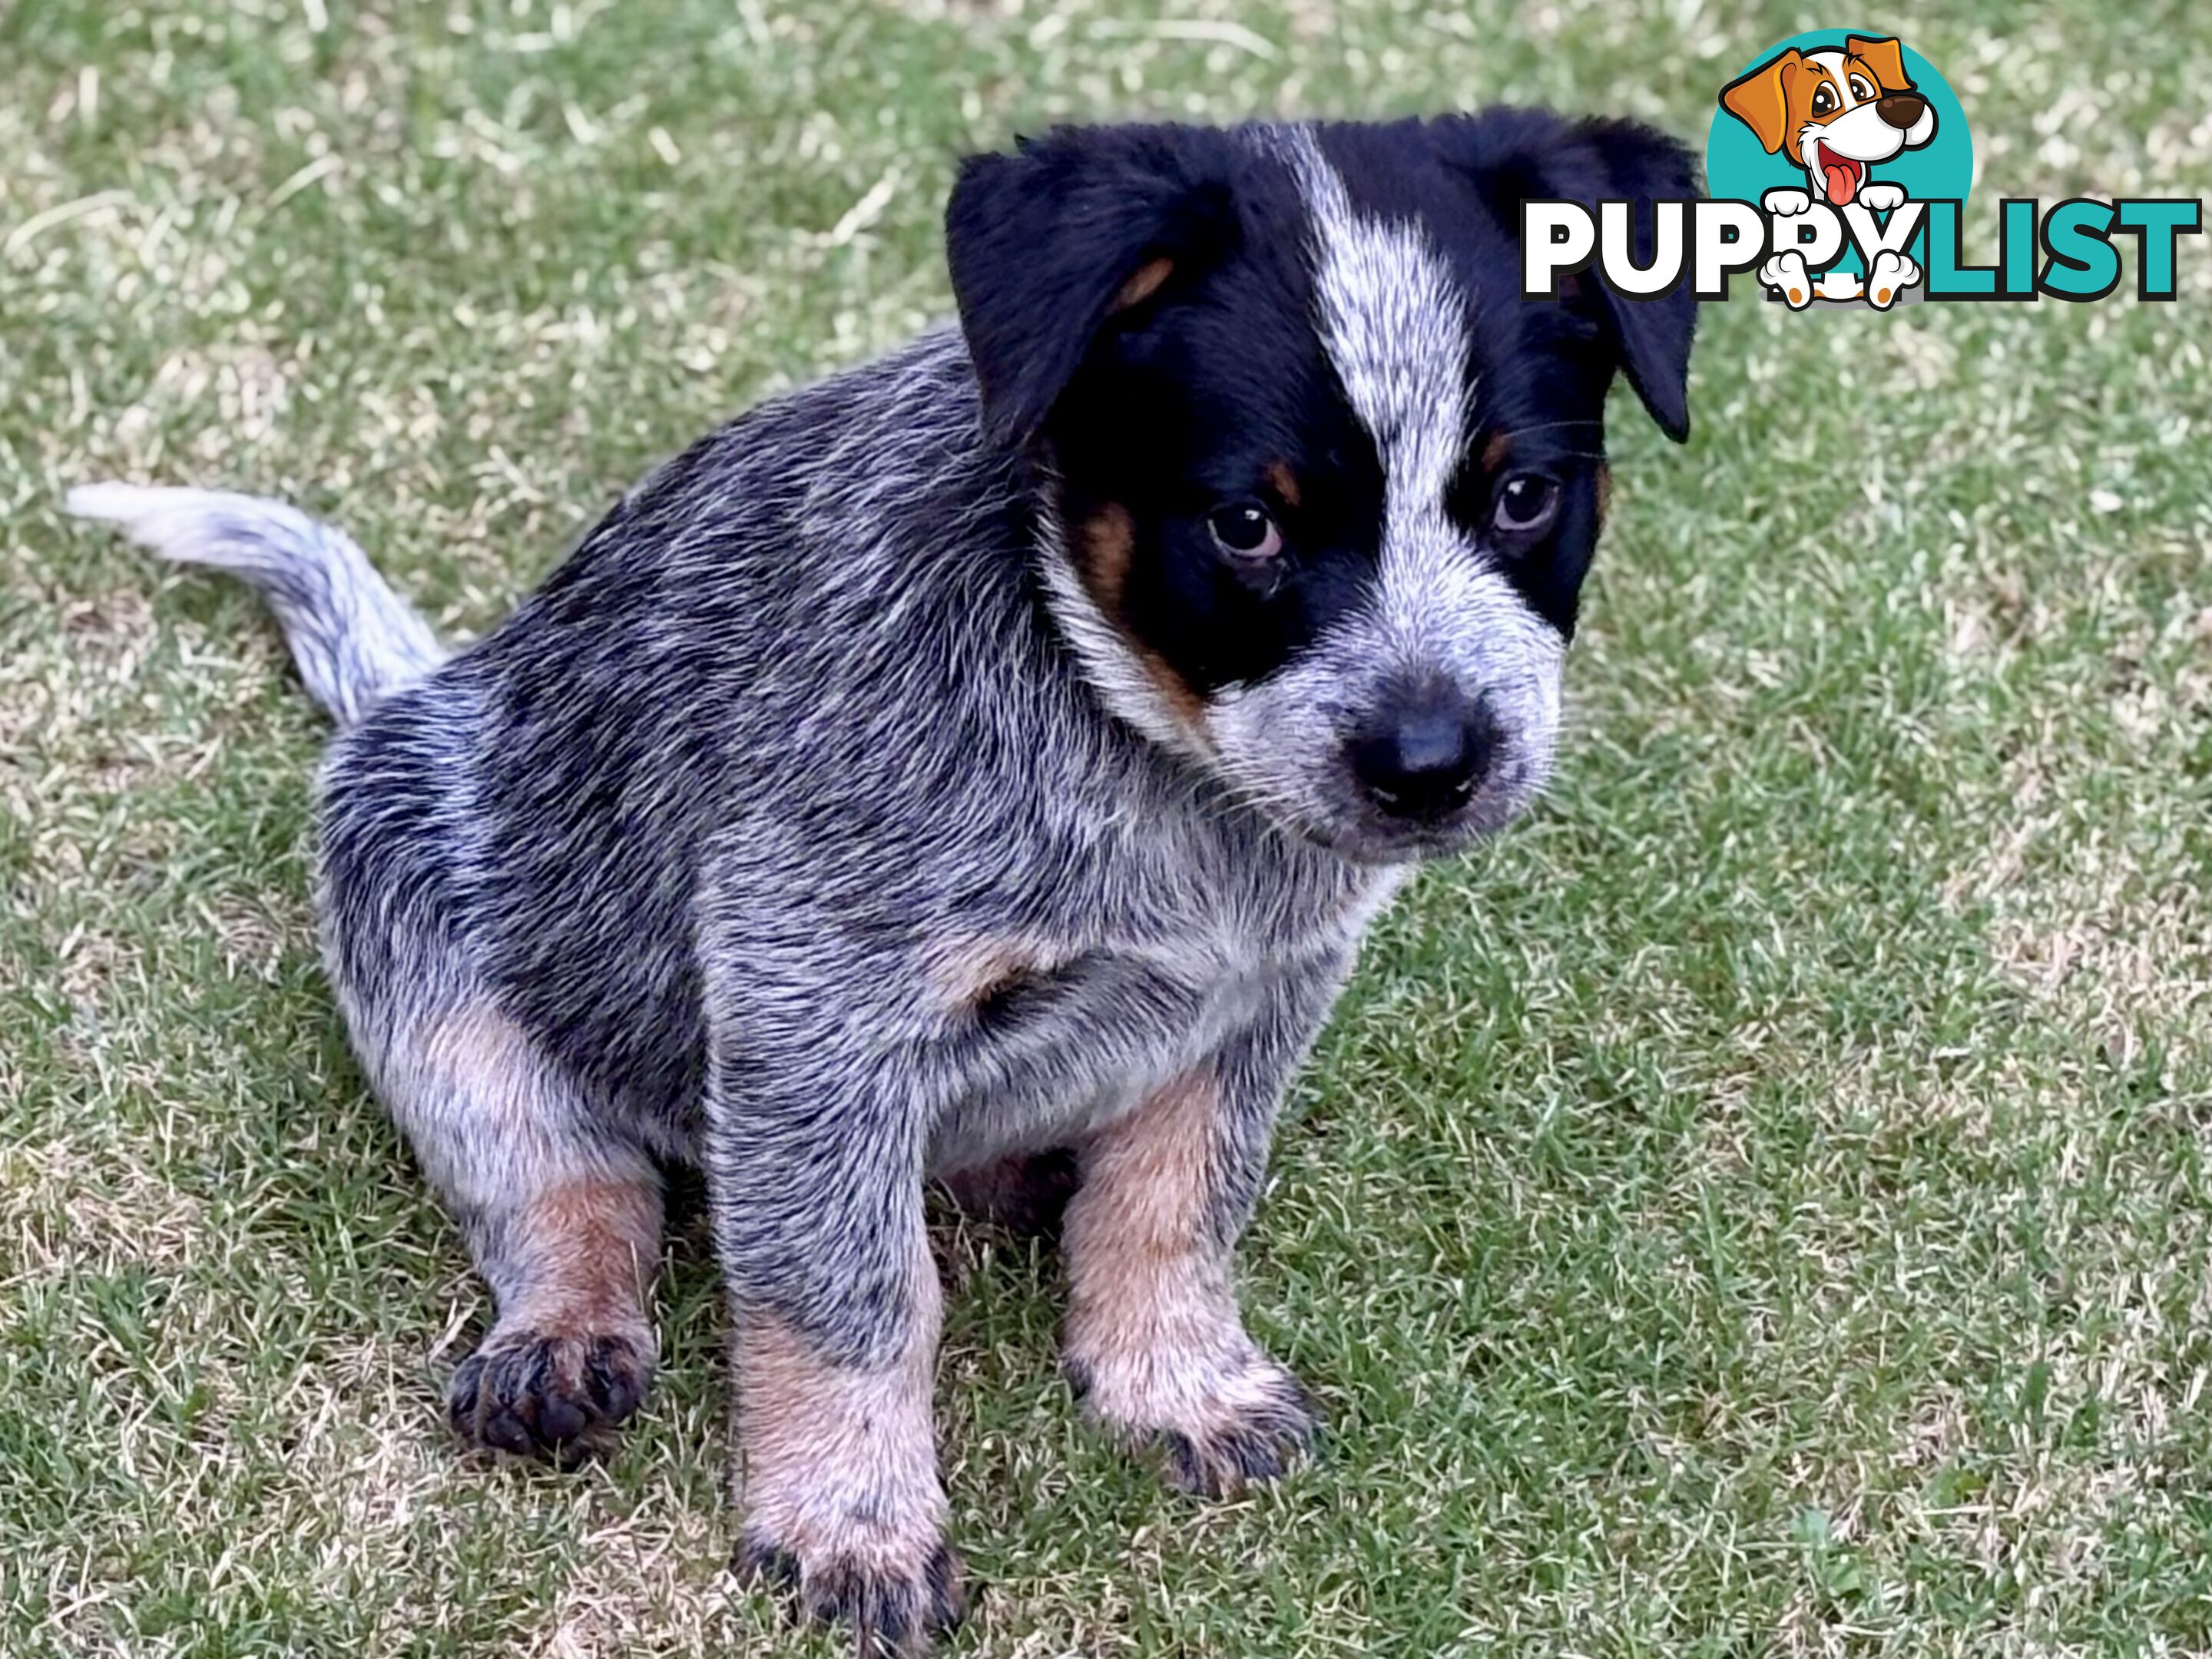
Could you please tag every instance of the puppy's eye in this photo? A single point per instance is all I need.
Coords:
(1861, 88)
(1243, 530)
(1527, 503)
(1824, 99)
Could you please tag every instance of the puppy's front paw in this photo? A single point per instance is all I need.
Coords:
(549, 1393)
(1244, 1440)
(892, 1590)
(837, 1477)
(1786, 204)
(1881, 198)
(1221, 1423)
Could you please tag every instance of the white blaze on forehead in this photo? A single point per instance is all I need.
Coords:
(1394, 323)
(1395, 326)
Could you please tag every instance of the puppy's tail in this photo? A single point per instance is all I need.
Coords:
(356, 640)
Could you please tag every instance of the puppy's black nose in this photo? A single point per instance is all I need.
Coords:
(1423, 759)
(1900, 109)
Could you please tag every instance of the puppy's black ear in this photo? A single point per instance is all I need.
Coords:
(1642, 167)
(1048, 245)
(1516, 155)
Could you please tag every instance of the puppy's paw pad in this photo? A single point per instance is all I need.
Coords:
(548, 1394)
(888, 1609)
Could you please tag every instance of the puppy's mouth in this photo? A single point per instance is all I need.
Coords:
(1363, 835)
(1840, 175)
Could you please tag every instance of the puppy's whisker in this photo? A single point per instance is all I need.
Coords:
(1542, 426)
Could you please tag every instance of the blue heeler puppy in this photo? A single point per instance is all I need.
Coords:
(989, 755)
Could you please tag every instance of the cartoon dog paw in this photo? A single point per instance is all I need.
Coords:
(1839, 285)
(1881, 198)
(1892, 273)
(1786, 204)
(1785, 274)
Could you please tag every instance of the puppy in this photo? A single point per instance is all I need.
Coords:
(993, 753)
(1835, 114)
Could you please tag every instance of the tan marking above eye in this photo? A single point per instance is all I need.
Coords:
(1143, 283)
(1283, 482)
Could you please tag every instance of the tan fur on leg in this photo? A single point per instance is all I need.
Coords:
(573, 1353)
(837, 1476)
(1153, 1341)
(592, 1244)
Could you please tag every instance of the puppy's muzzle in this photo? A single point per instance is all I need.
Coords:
(1423, 760)
(1901, 110)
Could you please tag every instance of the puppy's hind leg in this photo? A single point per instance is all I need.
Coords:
(562, 1215)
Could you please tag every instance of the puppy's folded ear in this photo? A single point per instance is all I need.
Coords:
(1641, 166)
(1517, 156)
(1049, 244)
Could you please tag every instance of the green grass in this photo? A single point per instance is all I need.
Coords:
(1759, 1207)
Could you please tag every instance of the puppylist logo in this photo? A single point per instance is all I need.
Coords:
(1806, 127)
(1838, 165)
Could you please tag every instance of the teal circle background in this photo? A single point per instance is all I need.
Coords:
(1736, 166)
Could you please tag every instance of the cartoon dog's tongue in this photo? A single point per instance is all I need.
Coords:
(1842, 174)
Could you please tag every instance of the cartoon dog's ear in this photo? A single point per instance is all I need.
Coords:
(1885, 57)
(1517, 156)
(1049, 245)
(1760, 99)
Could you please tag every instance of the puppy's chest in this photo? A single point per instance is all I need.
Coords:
(1058, 1043)
(1054, 1037)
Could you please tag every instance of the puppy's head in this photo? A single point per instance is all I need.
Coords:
(1834, 113)
(1327, 486)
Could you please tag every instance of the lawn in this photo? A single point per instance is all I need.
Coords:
(1759, 1206)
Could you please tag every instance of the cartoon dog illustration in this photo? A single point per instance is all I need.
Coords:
(1835, 113)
